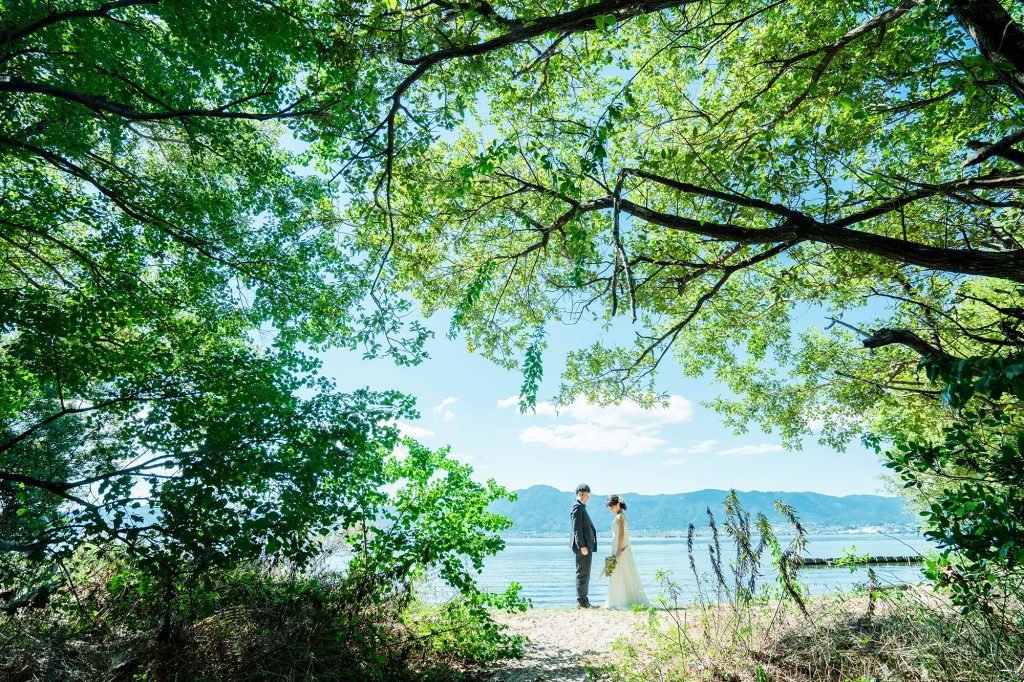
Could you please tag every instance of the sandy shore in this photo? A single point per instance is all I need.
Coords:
(565, 643)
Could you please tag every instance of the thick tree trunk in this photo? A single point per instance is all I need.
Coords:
(998, 36)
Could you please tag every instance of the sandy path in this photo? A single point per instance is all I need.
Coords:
(565, 643)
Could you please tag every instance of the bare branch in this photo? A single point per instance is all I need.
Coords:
(886, 337)
(1003, 148)
(103, 11)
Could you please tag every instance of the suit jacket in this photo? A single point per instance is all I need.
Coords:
(583, 532)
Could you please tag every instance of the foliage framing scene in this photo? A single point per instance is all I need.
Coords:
(197, 199)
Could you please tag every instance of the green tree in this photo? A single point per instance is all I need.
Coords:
(802, 200)
(969, 479)
(711, 170)
(164, 269)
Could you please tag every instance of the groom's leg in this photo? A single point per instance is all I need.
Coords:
(583, 578)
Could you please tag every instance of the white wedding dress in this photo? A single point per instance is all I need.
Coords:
(624, 586)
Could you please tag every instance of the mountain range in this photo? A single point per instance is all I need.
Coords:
(544, 510)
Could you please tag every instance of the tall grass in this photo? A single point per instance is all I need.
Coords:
(736, 629)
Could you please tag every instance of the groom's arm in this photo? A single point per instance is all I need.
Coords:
(579, 538)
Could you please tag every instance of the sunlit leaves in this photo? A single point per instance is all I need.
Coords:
(971, 476)
(825, 109)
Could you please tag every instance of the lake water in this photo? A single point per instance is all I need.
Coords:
(545, 566)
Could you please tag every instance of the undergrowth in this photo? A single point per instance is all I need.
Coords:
(738, 631)
(248, 624)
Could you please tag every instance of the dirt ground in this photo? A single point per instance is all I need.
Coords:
(565, 644)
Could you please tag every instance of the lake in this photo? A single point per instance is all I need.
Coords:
(546, 570)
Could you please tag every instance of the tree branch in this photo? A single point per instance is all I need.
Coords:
(998, 37)
(22, 548)
(1000, 264)
(991, 181)
(886, 337)
(103, 11)
(4, 447)
(53, 487)
(100, 103)
(1003, 148)
(732, 198)
(567, 23)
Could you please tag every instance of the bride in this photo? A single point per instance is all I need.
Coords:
(624, 586)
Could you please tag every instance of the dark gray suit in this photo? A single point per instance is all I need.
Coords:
(583, 535)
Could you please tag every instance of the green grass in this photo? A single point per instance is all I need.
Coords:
(906, 634)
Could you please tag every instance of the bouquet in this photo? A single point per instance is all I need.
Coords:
(609, 565)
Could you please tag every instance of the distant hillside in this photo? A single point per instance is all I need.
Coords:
(543, 510)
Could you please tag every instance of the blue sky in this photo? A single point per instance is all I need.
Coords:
(467, 402)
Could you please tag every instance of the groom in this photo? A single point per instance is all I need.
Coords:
(584, 544)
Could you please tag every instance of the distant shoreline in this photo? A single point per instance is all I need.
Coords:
(706, 533)
(542, 511)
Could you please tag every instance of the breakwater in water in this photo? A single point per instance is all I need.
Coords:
(869, 560)
(545, 567)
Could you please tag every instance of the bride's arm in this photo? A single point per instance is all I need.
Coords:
(618, 550)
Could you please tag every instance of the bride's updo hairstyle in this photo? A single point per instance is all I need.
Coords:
(615, 500)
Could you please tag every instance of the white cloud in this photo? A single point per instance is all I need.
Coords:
(693, 448)
(591, 438)
(626, 428)
(673, 461)
(447, 402)
(461, 457)
(760, 449)
(401, 451)
(407, 429)
(441, 409)
(703, 446)
(626, 414)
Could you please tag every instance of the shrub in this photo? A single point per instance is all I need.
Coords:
(969, 478)
(251, 623)
(112, 614)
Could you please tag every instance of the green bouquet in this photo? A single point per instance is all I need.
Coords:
(609, 565)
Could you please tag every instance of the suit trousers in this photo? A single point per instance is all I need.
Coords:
(583, 564)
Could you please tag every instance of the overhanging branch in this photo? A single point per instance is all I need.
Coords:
(887, 337)
(999, 264)
(13, 34)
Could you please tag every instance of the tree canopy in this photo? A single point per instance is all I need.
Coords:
(165, 267)
(712, 171)
(801, 199)
(817, 204)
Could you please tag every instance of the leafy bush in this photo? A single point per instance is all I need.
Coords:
(252, 623)
(970, 478)
(463, 629)
(112, 612)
